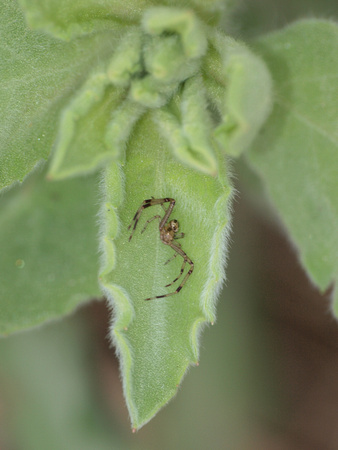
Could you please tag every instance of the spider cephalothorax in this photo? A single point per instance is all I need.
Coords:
(169, 231)
(168, 234)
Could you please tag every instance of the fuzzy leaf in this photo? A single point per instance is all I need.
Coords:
(239, 85)
(181, 21)
(81, 146)
(126, 61)
(66, 20)
(190, 141)
(37, 74)
(98, 122)
(166, 61)
(48, 263)
(297, 153)
(157, 340)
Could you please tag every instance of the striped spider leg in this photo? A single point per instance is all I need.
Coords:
(168, 233)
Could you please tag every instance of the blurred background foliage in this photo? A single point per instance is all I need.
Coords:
(267, 374)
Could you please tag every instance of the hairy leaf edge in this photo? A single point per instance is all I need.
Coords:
(119, 300)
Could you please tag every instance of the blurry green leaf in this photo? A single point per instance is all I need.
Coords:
(242, 93)
(49, 390)
(37, 74)
(181, 21)
(126, 61)
(49, 260)
(208, 10)
(159, 339)
(66, 19)
(296, 154)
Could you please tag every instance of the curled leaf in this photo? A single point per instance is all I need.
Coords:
(120, 127)
(184, 22)
(38, 73)
(126, 61)
(245, 88)
(68, 20)
(81, 146)
(196, 123)
(166, 61)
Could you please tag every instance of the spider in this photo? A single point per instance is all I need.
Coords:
(168, 234)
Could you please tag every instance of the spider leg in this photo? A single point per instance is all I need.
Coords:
(163, 207)
(171, 258)
(186, 258)
(152, 202)
(181, 272)
(150, 220)
(174, 255)
(179, 235)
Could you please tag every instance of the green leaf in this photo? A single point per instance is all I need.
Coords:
(166, 60)
(55, 390)
(48, 263)
(37, 74)
(157, 340)
(240, 86)
(296, 154)
(81, 146)
(66, 20)
(184, 22)
(98, 122)
(126, 61)
(191, 140)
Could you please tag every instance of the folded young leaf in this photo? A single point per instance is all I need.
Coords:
(66, 19)
(184, 22)
(97, 123)
(191, 140)
(81, 144)
(296, 154)
(244, 93)
(48, 263)
(37, 74)
(158, 339)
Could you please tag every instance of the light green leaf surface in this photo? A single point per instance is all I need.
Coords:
(157, 340)
(67, 19)
(98, 122)
(81, 146)
(187, 126)
(297, 152)
(49, 260)
(37, 73)
(240, 86)
(181, 21)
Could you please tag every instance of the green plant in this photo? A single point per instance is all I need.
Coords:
(149, 98)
